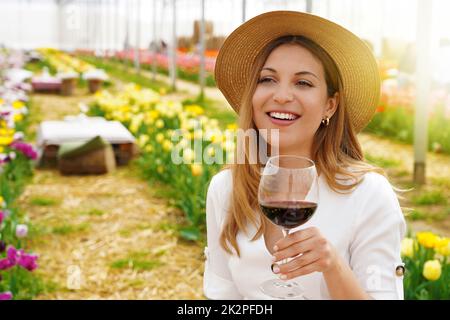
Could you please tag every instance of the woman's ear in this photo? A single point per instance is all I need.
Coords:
(332, 104)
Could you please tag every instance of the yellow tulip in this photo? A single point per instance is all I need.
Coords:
(18, 117)
(407, 247)
(232, 126)
(153, 114)
(18, 104)
(216, 137)
(432, 270)
(160, 169)
(143, 139)
(167, 145)
(159, 124)
(195, 109)
(196, 170)
(149, 148)
(188, 135)
(170, 114)
(134, 126)
(427, 239)
(6, 140)
(443, 246)
(6, 132)
(159, 137)
(2, 202)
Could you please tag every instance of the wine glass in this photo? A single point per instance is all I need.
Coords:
(288, 196)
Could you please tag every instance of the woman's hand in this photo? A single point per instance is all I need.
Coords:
(317, 254)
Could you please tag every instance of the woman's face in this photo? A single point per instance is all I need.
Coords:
(291, 96)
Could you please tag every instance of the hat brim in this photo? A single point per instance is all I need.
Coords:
(356, 64)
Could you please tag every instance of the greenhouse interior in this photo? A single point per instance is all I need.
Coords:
(121, 121)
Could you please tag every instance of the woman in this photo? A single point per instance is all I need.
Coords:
(318, 84)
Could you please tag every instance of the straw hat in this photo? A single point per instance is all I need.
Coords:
(355, 61)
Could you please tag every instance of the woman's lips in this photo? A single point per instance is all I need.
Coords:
(282, 122)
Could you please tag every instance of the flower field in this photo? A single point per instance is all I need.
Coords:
(157, 122)
(427, 266)
(17, 260)
(63, 62)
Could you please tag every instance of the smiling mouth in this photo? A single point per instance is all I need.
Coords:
(284, 116)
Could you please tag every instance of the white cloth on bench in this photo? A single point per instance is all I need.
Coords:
(82, 128)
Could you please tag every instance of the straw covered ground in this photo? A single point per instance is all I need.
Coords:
(105, 237)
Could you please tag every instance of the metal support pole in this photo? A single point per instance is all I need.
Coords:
(173, 49)
(155, 43)
(309, 6)
(423, 81)
(137, 53)
(202, 51)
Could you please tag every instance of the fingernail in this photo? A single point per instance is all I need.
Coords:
(283, 277)
(276, 269)
(275, 248)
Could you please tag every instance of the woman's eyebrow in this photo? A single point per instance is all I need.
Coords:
(297, 73)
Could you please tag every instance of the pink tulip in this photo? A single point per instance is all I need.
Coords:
(6, 296)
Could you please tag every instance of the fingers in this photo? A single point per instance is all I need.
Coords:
(307, 269)
(296, 263)
(294, 250)
(297, 236)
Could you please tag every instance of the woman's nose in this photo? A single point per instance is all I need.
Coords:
(283, 94)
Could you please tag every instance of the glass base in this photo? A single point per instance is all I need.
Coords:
(282, 289)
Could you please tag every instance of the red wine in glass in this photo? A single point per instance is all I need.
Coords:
(288, 214)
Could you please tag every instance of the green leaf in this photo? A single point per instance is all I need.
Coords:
(190, 233)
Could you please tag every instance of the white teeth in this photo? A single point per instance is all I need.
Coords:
(283, 116)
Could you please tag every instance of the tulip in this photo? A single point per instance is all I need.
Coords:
(167, 145)
(196, 170)
(28, 261)
(432, 270)
(6, 296)
(443, 247)
(159, 137)
(427, 239)
(407, 247)
(21, 231)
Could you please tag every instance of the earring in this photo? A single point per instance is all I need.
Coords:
(326, 121)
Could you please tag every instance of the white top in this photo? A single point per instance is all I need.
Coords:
(365, 226)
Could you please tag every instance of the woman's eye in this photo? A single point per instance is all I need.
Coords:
(265, 80)
(304, 83)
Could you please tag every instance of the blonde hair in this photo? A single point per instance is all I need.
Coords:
(335, 149)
